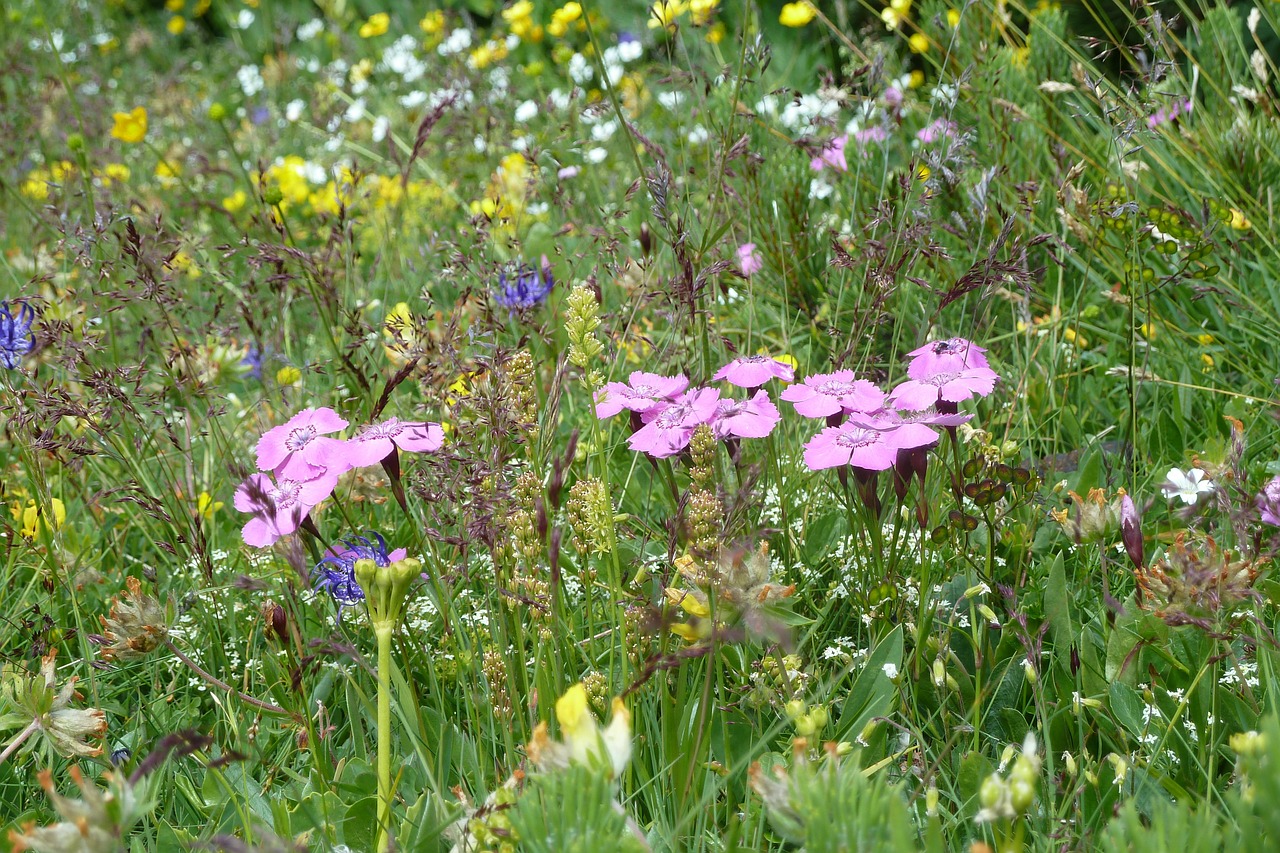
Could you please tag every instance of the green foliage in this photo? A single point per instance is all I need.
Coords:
(572, 810)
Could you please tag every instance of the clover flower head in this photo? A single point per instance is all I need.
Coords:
(585, 743)
(136, 625)
(16, 339)
(336, 573)
(526, 287)
(97, 822)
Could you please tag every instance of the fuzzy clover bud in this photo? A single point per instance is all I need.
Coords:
(98, 822)
(582, 320)
(1092, 518)
(37, 701)
(135, 627)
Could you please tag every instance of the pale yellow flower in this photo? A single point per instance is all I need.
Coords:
(130, 127)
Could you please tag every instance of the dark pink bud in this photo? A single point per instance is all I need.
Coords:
(1131, 531)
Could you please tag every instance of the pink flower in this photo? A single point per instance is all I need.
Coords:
(847, 444)
(946, 387)
(754, 417)
(294, 450)
(939, 129)
(832, 155)
(752, 371)
(944, 357)
(749, 260)
(888, 417)
(1268, 502)
(376, 442)
(278, 507)
(669, 430)
(824, 394)
(643, 393)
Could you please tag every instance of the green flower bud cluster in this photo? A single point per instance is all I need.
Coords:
(590, 516)
(1008, 797)
(809, 721)
(704, 517)
(495, 673)
(522, 392)
(583, 318)
(385, 589)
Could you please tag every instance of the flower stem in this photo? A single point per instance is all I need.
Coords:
(217, 682)
(19, 740)
(384, 736)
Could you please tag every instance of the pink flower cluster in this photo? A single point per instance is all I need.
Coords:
(870, 430)
(665, 413)
(299, 466)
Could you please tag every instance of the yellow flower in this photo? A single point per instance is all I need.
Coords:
(433, 22)
(115, 172)
(916, 80)
(919, 43)
(176, 25)
(1207, 361)
(168, 173)
(206, 505)
(583, 741)
(1239, 221)
(567, 14)
(288, 375)
(1071, 336)
(175, 5)
(1205, 339)
(235, 202)
(797, 14)
(130, 127)
(36, 186)
(663, 14)
(1147, 330)
(521, 10)
(715, 33)
(701, 11)
(375, 26)
(953, 18)
(30, 517)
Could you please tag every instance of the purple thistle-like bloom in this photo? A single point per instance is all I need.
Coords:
(847, 444)
(1268, 502)
(752, 371)
(642, 393)
(947, 356)
(16, 339)
(527, 287)
(754, 417)
(825, 394)
(376, 442)
(295, 450)
(832, 154)
(670, 430)
(336, 573)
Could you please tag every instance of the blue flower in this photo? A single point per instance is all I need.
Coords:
(16, 339)
(336, 573)
(253, 360)
(526, 288)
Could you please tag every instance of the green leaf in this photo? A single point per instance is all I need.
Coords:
(360, 824)
(872, 693)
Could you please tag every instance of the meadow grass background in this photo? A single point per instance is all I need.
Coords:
(320, 212)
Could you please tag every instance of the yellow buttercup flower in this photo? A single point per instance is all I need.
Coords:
(953, 18)
(517, 11)
(433, 22)
(1205, 339)
(175, 5)
(376, 25)
(235, 202)
(663, 13)
(919, 43)
(797, 14)
(130, 127)
(206, 505)
(701, 11)
(31, 514)
(176, 25)
(288, 375)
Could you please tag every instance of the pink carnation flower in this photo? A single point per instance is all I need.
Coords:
(824, 394)
(947, 356)
(945, 387)
(278, 507)
(1268, 502)
(294, 450)
(847, 444)
(643, 393)
(749, 260)
(832, 155)
(754, 417)
(670, 430)
(376, 442)
(752, 371)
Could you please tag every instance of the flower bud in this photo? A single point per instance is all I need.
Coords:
(1029, 671)
(939, 673)
(1131, 531)
(931, 801)
(795, 709)
(1022, 793)
(274, 623)
(217, 112)
(819, 717)
(991, 791)
(272, 196)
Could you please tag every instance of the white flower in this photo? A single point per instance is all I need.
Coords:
(597, 155)
(526, 111)
(458, 41)
(311, 29)
(819, 189)
(670, 100)
(630, 50)
(580, 69)
(698, 135)
(244, 19)
(355, 112)
(890, 671)
(251, 81)
(293, 110)
(380, 127)
(1189, 486)
(413, 99)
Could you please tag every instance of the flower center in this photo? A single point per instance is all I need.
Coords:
(673, 416)
(645, 391)
(285, 494)
(835, 388)
(949, 347)
(853, 439)
(755, 359)
(389, 428)
(733, 409)
(299, 438)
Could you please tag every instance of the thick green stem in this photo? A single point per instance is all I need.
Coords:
(384, 736)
